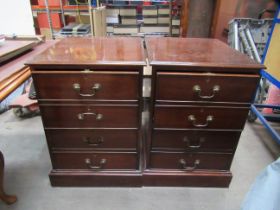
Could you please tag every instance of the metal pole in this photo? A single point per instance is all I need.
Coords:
(62, 12)
(235, 34)
(252, 45)
(49, 17)
(90, 10)
(245, 42)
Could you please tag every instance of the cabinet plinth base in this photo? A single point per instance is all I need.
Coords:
(102, 179)
(191, 179)
(136, 179)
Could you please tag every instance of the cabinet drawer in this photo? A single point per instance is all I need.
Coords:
(94, 161)
(190, 161)
(89, 86)
(195, 140)
(206, 87)
(92, 138)
(90, 116)
(199, 117)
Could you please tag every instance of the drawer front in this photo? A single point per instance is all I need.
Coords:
(190, 161)
(90, 116)
(206, 87)
(199, 117)
(94, 161)
(195, 140)
(90, 86)
(93, 138)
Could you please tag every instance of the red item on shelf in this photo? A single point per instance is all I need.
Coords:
(51, 2)
(147, 3)
(43, 20)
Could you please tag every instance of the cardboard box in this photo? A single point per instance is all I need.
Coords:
(150, 19)
(163, 19)
(149, 10)
(128, 11)
(158, 28)
(128, 20)
(126, 29)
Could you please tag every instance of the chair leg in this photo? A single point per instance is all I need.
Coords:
(8, 199)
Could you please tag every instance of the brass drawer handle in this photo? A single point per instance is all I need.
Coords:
(183, 164)
(189, 145)
(81, 116)
(95, 88)
(93, 143)
(91, 166)
(197, 89)
(192, 119)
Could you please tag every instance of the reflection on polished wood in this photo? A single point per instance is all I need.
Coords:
(197, 52)
(97, 51)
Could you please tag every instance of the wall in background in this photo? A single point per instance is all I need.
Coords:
(16, 17)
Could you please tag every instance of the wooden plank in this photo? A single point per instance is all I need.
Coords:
(7, 69)
(14, 85)
(14, 73)
(184, 18)
(11, 49)
(215, 18)
(12, 78)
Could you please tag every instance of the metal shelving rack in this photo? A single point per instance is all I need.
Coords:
(61, 9)
(105, 2)
(272, 79)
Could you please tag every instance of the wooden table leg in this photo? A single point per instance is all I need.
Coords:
(8, 199)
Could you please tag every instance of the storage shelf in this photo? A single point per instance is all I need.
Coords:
(66, 8)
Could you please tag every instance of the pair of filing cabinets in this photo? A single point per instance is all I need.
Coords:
(90, 92)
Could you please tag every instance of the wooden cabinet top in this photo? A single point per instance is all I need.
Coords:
(196, 52)
(93, 51)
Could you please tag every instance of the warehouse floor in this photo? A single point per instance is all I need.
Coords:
(23, 144)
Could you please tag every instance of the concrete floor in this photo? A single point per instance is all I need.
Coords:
(27, 165)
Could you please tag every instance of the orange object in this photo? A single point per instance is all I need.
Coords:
(43, 20)
(273, 98)
(16, 81)
(147, 3)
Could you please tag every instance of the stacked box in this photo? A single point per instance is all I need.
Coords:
(163, 9)
(150, 11)
(112, 11)
(149, 19)
(126, 29)
(175, 30)
(128, 11)
(128, 20)
(163, 19)
(112, 17)
(157, 28)
(110, 28)
(176, 21)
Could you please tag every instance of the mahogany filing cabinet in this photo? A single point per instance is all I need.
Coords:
(90, 96)
(89, 92)
(201, 94)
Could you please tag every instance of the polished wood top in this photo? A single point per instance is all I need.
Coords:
(196, 52)
(93, 51)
